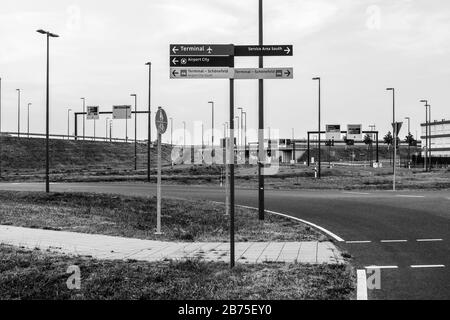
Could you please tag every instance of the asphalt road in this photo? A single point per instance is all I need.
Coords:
(406, 234)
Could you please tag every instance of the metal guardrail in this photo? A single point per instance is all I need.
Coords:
(66, 137)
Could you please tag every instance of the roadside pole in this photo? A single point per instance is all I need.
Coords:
(232, 160)
(0, 127)
(261, 155)
(158, 228)
(161, 126)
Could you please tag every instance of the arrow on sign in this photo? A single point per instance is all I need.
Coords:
(287, 73)
(175, 61)
(287, 50)
(175, 50)
(175, 73)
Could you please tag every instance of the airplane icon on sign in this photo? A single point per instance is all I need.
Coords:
(210, 50)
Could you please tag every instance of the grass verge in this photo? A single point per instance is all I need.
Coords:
(135, 217)
(38, 275)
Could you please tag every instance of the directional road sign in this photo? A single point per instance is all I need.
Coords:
(333, 132)
(354, 132)
(201, 61)
(202, 73)
(161, 121)
(264, 73)
(201, 50)
(93, 113)
(121, 112)
(275, 50)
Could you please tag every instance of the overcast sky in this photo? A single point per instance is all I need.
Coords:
(359, 48)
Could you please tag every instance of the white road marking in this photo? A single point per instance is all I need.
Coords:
(361, 293)
(429, 240)
(358, 193)
(407, 196)
(428, 266)
(393, 241)
(331, 234)
(358, 242)
(381, 267)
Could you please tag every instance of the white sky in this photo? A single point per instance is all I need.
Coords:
(359, 48)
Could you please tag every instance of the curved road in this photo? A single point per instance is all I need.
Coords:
(405, 234)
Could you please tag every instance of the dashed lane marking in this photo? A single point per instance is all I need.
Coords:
(429, 240)
(409, 196)
(393, 241)
(358, 193)
(428, 266)
(358, 242)
(381, 267)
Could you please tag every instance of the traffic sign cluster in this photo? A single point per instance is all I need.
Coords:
(205, 61)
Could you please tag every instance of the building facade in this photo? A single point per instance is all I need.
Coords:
(440, 138)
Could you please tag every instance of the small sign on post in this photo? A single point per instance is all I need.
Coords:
(121, 112)
(93, 113)
(161, 126)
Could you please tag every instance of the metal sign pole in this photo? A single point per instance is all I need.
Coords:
(158, 218)
(261, 120)
(232, 159)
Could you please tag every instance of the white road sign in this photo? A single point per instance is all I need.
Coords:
(263, 73)
(121, 112)
(333, 132)
(202, 73)
(354, 132)
(93, 113)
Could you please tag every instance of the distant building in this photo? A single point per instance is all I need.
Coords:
(440, 138)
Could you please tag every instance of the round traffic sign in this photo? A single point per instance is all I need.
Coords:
(161, 121)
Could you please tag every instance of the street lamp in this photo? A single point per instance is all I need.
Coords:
(28, 120)
(244, 113)
(394, 124)
(135, 130)
(212, 125)
(47, 162)
(184, 134)
(427, 133)
(68, 123)
(106, 128)
(319, 172)
(18, 112)
(84, 118)
(149, 133)
(171, 131)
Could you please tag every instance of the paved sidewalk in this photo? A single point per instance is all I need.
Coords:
(115, 248)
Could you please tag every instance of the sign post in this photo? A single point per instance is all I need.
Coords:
(205, 61)
(161, 126)
(93, 113)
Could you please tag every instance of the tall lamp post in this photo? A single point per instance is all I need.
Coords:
(18, 112)
(135, 130)
(0, 127)
(171, 131)
(149, 133)
(426, 134)
(394, 124)
(245, 136)
(319, 172)
(47, 145)
(106, 129)
(184, 135)
(28, 120)
(68, 123)
(84, 118)
(213, 152)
